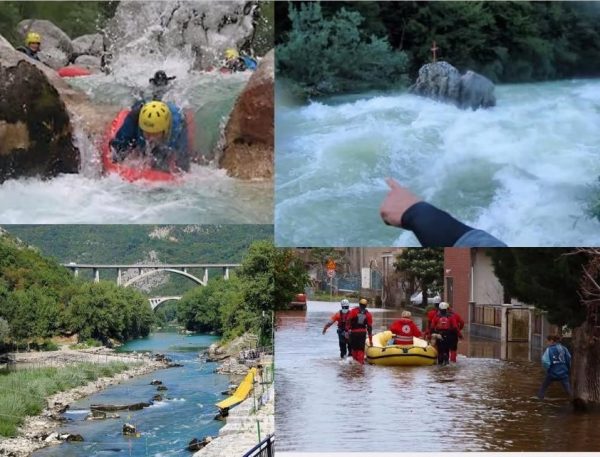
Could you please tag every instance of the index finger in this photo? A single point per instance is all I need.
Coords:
(392, 183)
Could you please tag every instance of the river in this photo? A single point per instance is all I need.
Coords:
(523, 170)
(481, 403)
(204, 195)
(166, 427)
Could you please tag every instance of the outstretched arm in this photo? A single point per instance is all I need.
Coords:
(432, 226)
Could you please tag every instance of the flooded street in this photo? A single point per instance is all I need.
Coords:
(482, 403)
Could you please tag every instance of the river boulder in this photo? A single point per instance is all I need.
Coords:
(92, 63)
(91, 44)
(442, 82)
(36, 138)
(249, 134)
(129, 430)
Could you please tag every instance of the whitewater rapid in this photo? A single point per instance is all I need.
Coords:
(523, 170)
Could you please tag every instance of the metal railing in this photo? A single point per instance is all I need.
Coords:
(487, 315)
(266, 448)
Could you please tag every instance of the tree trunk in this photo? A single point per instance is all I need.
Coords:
(585, 367)
(424, 295)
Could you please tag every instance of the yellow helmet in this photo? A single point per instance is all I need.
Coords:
(33, 37)
(231, 54)
(155, 117)
(363, 301)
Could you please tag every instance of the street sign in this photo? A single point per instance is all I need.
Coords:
(330, 273)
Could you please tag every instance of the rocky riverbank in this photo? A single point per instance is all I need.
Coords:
(37, 432)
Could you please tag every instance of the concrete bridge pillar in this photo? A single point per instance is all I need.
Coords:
(226, 272)
(96, 275)
(76, 272)
(205, 277)
(184, 270)
(119, 277)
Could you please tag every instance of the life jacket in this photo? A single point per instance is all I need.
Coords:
(342, 320)
(444, 322)
(177, 125)
(359, 321)
(405, 336)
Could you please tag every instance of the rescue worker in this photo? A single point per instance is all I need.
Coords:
(359, 324)
(460, 324)
(157, 130)
(235, 62)
(404, 329)
(444, 325)
(430, 316)
(557, 363)
(32, 46)
(340, 317)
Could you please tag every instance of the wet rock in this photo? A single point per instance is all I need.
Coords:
(476, 91)
(111, 408)
(223, 413)
(174, 365)
(92, 63)
(71, 437)
(156, 382)
(101, 415)
(159, 388)
(157, 397)
(441, 81)
(129, 430)
(36, 137)
(248, 138)
(196, 444)
(92, 44)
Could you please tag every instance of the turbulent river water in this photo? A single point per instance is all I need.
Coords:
(524, 170)
(166, 427)
(484, 402)
(205, 195)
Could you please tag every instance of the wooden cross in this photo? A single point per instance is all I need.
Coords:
(434, 50)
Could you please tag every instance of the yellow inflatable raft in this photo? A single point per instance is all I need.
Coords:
(419, 353)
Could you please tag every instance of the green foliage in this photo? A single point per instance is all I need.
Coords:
(24, 392)
(505, 41)
(547, 278)
(40, 299)
(326, 56)
(424, 266)
(262, 41)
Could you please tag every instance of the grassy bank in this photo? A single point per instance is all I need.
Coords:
(24, 392)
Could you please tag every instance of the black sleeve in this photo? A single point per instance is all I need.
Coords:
(432, 226)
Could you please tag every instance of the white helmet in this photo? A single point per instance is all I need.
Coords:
(444, 305)
(345, 305)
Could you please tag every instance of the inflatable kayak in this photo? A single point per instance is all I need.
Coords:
(135, 173)
(419, 353)
(72, 71)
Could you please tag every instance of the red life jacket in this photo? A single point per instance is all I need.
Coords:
(342, 320)
(359, 321)
(403, 330)
(444, 322)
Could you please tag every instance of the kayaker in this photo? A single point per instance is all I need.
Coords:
(159, 84)
(343, 336)
(359, 324)
(33, 43)
(157, 130)
(432, 226)
(556, 360)
(235, 62)
(444, 325)
(404, 329)
(460, 324)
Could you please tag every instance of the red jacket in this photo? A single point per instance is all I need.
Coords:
(430, 315)
(340, 318)
(445, 323)
(460, 323)
(358, 322)
(404, 329)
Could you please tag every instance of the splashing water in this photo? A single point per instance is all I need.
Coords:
(204, 195)
(523, 170)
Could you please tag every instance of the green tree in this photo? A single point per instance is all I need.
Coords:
(424, 266)
(327, 56)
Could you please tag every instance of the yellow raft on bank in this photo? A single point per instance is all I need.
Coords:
(241, 393)
(419, 353)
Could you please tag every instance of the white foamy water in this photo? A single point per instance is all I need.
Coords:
(522, 170)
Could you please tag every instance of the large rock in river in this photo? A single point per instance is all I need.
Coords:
(56, 47)
(441, 81)
(36, 112)
(35, 131)
(249, 142)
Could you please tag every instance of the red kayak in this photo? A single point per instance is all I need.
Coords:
(143, 172)
(72, 71)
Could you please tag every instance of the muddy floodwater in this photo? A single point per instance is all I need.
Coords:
(485, 402)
